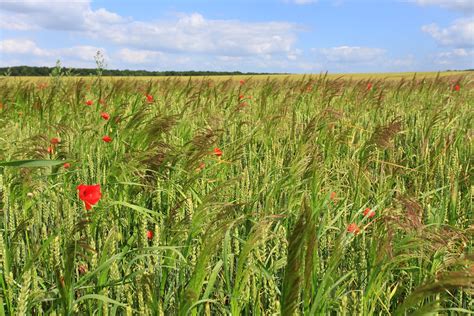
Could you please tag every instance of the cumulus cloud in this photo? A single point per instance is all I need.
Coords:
(62, 15)
(351, 54)
(459, 58)
(461, 5)
(131, 56)
(29, 50)
(192, 33)
(459, 34)
(21, 46)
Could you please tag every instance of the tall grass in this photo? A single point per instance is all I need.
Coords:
(261, 230)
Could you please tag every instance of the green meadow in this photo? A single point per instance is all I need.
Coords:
(309, 195)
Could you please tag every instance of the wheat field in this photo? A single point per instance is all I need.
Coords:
(310, 196)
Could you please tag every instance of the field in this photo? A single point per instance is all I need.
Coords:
(390, 76)
(311, 195)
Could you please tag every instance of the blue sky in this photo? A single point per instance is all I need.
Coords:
(297, 36)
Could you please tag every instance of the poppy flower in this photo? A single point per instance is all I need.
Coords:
(369, 86)
(89, 102)
(457, 87)
(105, 115)
(149, 98)
(55, 141)
(333, 196)
(107, 139)
(50, 149)
(242, 82)
(241, 97)
(353, 228)
(149, 234)
(1, 105)
(369, 213)
(89, 194)
(67, 165)
(217, 152)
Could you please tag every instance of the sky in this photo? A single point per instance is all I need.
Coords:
(290, 36)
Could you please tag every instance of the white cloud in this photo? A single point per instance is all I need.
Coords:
(192, 33)
(21, 46)
(294, 54)
(131, 56)
(76, 15)
(29, 50)
(189, 33)
(351, 54)
(459, 34)
(461, 5)
(15, 22)
(459, 58)
(456, 53)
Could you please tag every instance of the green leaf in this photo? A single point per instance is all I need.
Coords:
(31, 163)
(102, 298)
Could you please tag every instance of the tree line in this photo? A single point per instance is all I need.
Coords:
(46, 71)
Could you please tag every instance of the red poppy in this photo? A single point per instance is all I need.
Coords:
(149, 234)
(369, 213)
(55, 141)
(333, 196)
(353, 228)
(1, 105)
(90, 194)
(241, 97)
(67, 165)
(217, 152)
(242, 82)
(457, 87)
(369, 86)
(89, 102)
(50, 149)
(149, 98)
(105, 115)
(107, 139)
